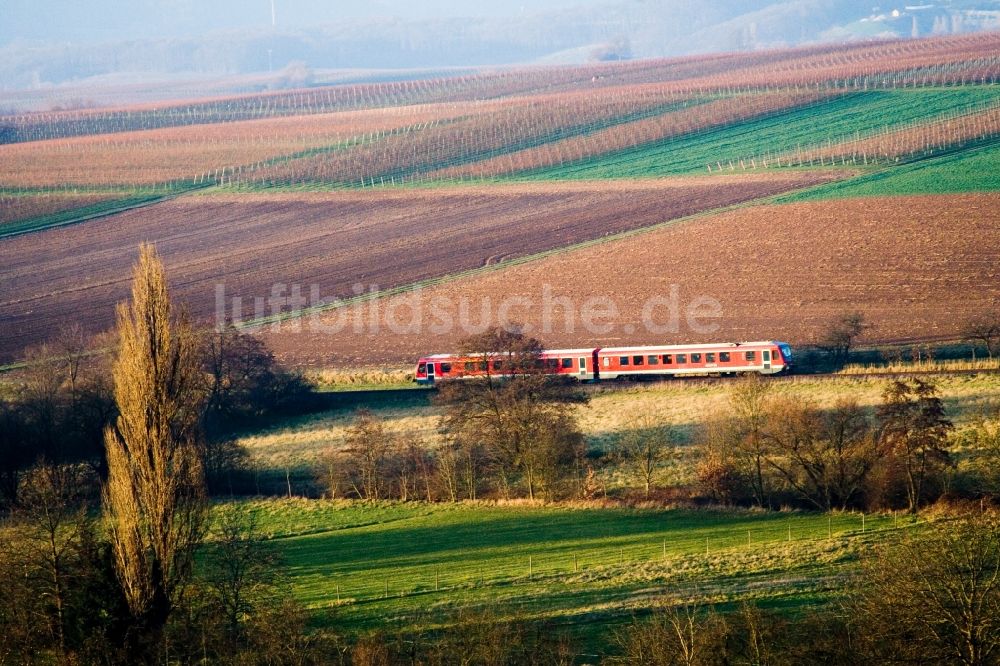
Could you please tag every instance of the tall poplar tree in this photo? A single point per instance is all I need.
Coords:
(154, 499)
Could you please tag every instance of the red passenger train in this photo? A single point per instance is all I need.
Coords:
(729, 358)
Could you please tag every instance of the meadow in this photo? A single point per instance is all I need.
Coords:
(298, 444)
(585, 567)
(410, 565)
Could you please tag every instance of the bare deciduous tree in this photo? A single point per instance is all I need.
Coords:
(241, 571)
(645, 447)
(679, 635)
(985, 329)
(825, 456)
(914, 430)
(518, 414)
(71, 348)
(841, 333)
(935, 596)
(154, 496)
(369, 446)
(54, 520)
(744, 433)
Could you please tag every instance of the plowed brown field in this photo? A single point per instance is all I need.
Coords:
(915, 266)
(384, 238)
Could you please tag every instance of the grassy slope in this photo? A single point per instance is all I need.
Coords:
(834, 120)
(971, 170)
(588, 565)
(681, 404)
(592, 568)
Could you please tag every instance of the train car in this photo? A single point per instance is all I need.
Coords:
(731, 358)
(578, 363)
(589, 364)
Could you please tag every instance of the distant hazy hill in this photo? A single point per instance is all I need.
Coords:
(81, 40)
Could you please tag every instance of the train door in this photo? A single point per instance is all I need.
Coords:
(583, 366)
(766, 355)
(430, 372)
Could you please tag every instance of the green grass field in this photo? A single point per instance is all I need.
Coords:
(833, 120)
(585, 566)
(970, 170)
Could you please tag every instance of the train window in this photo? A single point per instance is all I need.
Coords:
(421, 368)
(653, 360)
(482, 366)
(710, 357)
(682, 358)
(667, 359)
(623, 360)
(724, 357)
(470, 366)
(751, 356)
(696, 358)
(637, 360)
(498, 365)
(567, 363)
(607, 361)
(445, 368)
(551, 363)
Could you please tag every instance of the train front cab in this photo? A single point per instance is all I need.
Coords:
(424, 373)
(783, 357)
(431, 368)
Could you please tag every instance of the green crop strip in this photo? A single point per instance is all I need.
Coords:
(969, 169)
(835, 120)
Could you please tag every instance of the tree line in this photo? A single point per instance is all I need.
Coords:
(766, 449)
(58, 408)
